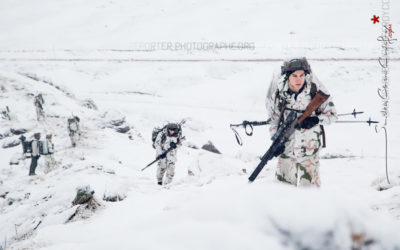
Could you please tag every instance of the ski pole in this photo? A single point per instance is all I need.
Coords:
(248, 128)
(368, 121)
(354, 113)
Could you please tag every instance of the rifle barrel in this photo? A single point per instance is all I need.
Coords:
(266, 157)
(163, 155)
(149, 164)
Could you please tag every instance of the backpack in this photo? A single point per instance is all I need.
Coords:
(155, 133)
(38, 102)
(43, 149)
(27, 147)
(72, 124)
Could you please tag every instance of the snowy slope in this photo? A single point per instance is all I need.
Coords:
(216, 208)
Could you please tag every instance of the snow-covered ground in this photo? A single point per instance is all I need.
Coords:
(73, 51)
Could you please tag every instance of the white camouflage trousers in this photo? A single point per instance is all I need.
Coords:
(49, 162)
(167, 167)
(74, 138)
(39, 113)
(302, 171)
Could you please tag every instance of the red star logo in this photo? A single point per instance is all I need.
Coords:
(375, 19)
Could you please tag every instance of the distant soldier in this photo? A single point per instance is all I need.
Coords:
(39, 106)
(34, 154)
(5, 114)
(73, 129)
(48, 152)
(169, 137)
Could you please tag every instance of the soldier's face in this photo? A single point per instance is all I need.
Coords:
(296, 80)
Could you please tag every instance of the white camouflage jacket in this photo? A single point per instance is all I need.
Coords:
(38, 102)
(162, 144)
(303, 142)
(35, 148)
(48, 147)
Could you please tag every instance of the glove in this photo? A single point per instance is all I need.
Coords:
(37, 157)
(279, 150)
(172, 145)
(308, 123)
(161, 156)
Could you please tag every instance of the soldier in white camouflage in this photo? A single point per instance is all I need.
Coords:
(73, 129)
(35, 154)
(39, 101)
(169, 137)
(298, 161)
(48, 152)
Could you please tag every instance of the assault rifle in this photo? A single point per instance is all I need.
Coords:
(163, 155)
(286, 129)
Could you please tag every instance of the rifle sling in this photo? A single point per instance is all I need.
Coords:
(281, 115)
(323, 136)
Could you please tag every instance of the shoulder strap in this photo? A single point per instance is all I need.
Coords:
(282, 110)
(323, 136)
(276, 95)
(313, 90)
(282, 104)
(163, 138)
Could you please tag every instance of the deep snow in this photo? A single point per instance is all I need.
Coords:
(216, 208)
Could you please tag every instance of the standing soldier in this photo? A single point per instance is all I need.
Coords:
(169, 137)
(298, 161)
(34, 154)
(73, 129)
(48, 152)
(39, 106)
